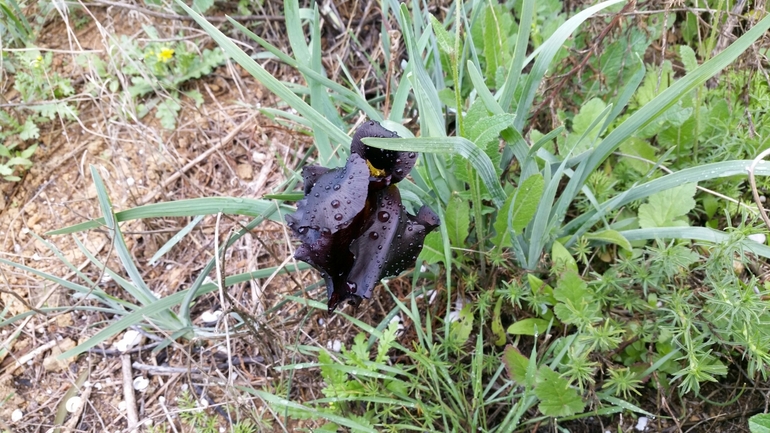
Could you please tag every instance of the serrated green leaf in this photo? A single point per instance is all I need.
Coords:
(610, 237)
(458, 219)
(688, 58)
(642, 149)
(557, 398)
(668, 208)
(530, 326)
(576, 305)
(589, 113)
(196, 96)
(167, 111)
(445, 40)
(29, 130)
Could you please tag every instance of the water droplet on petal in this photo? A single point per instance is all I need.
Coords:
(338, 217)
(412, 154)
(383, 216)
(337, 187)
(336, 203)
(374, 235)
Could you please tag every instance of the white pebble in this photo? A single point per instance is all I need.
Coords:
(641, 424)
(122, 406)
(141, 383)
(74, 404)
(130, 181)
(211, 316)
(17, 415)
(335, 345)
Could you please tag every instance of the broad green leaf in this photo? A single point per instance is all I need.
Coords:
(461, 329)
(432, 249)
(515, 365)
(458, 219)
(760, 423)
(610, 237)
(557, 398)
(588, 115)
(497, 324)
(562, 259)
(28, 152)
(668, 208)
(530, 326)
(639, 148)
(518, 210)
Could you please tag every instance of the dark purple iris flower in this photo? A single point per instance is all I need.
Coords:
(352, 224)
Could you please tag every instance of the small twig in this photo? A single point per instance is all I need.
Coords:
(26, 358)
(128, 392)
(753, 183)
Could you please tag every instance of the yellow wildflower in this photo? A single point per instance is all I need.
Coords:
(165, 55)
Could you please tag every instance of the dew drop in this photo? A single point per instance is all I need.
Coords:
(374, 235)
(379, 247)
(337, 187)
(302, 230)
(335, 204)
(317, 194)
(383, 216)
(325, 231)
(412, 154)
(399, 171)
(338, 217)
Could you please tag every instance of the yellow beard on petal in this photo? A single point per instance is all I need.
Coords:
(376, 172)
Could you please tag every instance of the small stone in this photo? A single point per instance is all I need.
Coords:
(74, 404)
(245, 171)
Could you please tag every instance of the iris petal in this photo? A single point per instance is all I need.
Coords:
(397, 164)
(333, 200)
(352, 224)
(390, 244)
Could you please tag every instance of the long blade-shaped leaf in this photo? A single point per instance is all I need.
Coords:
(268, 80)
(192, 207)
(453, 145)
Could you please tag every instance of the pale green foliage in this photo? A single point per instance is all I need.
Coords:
(668, 208)
(557, 397)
